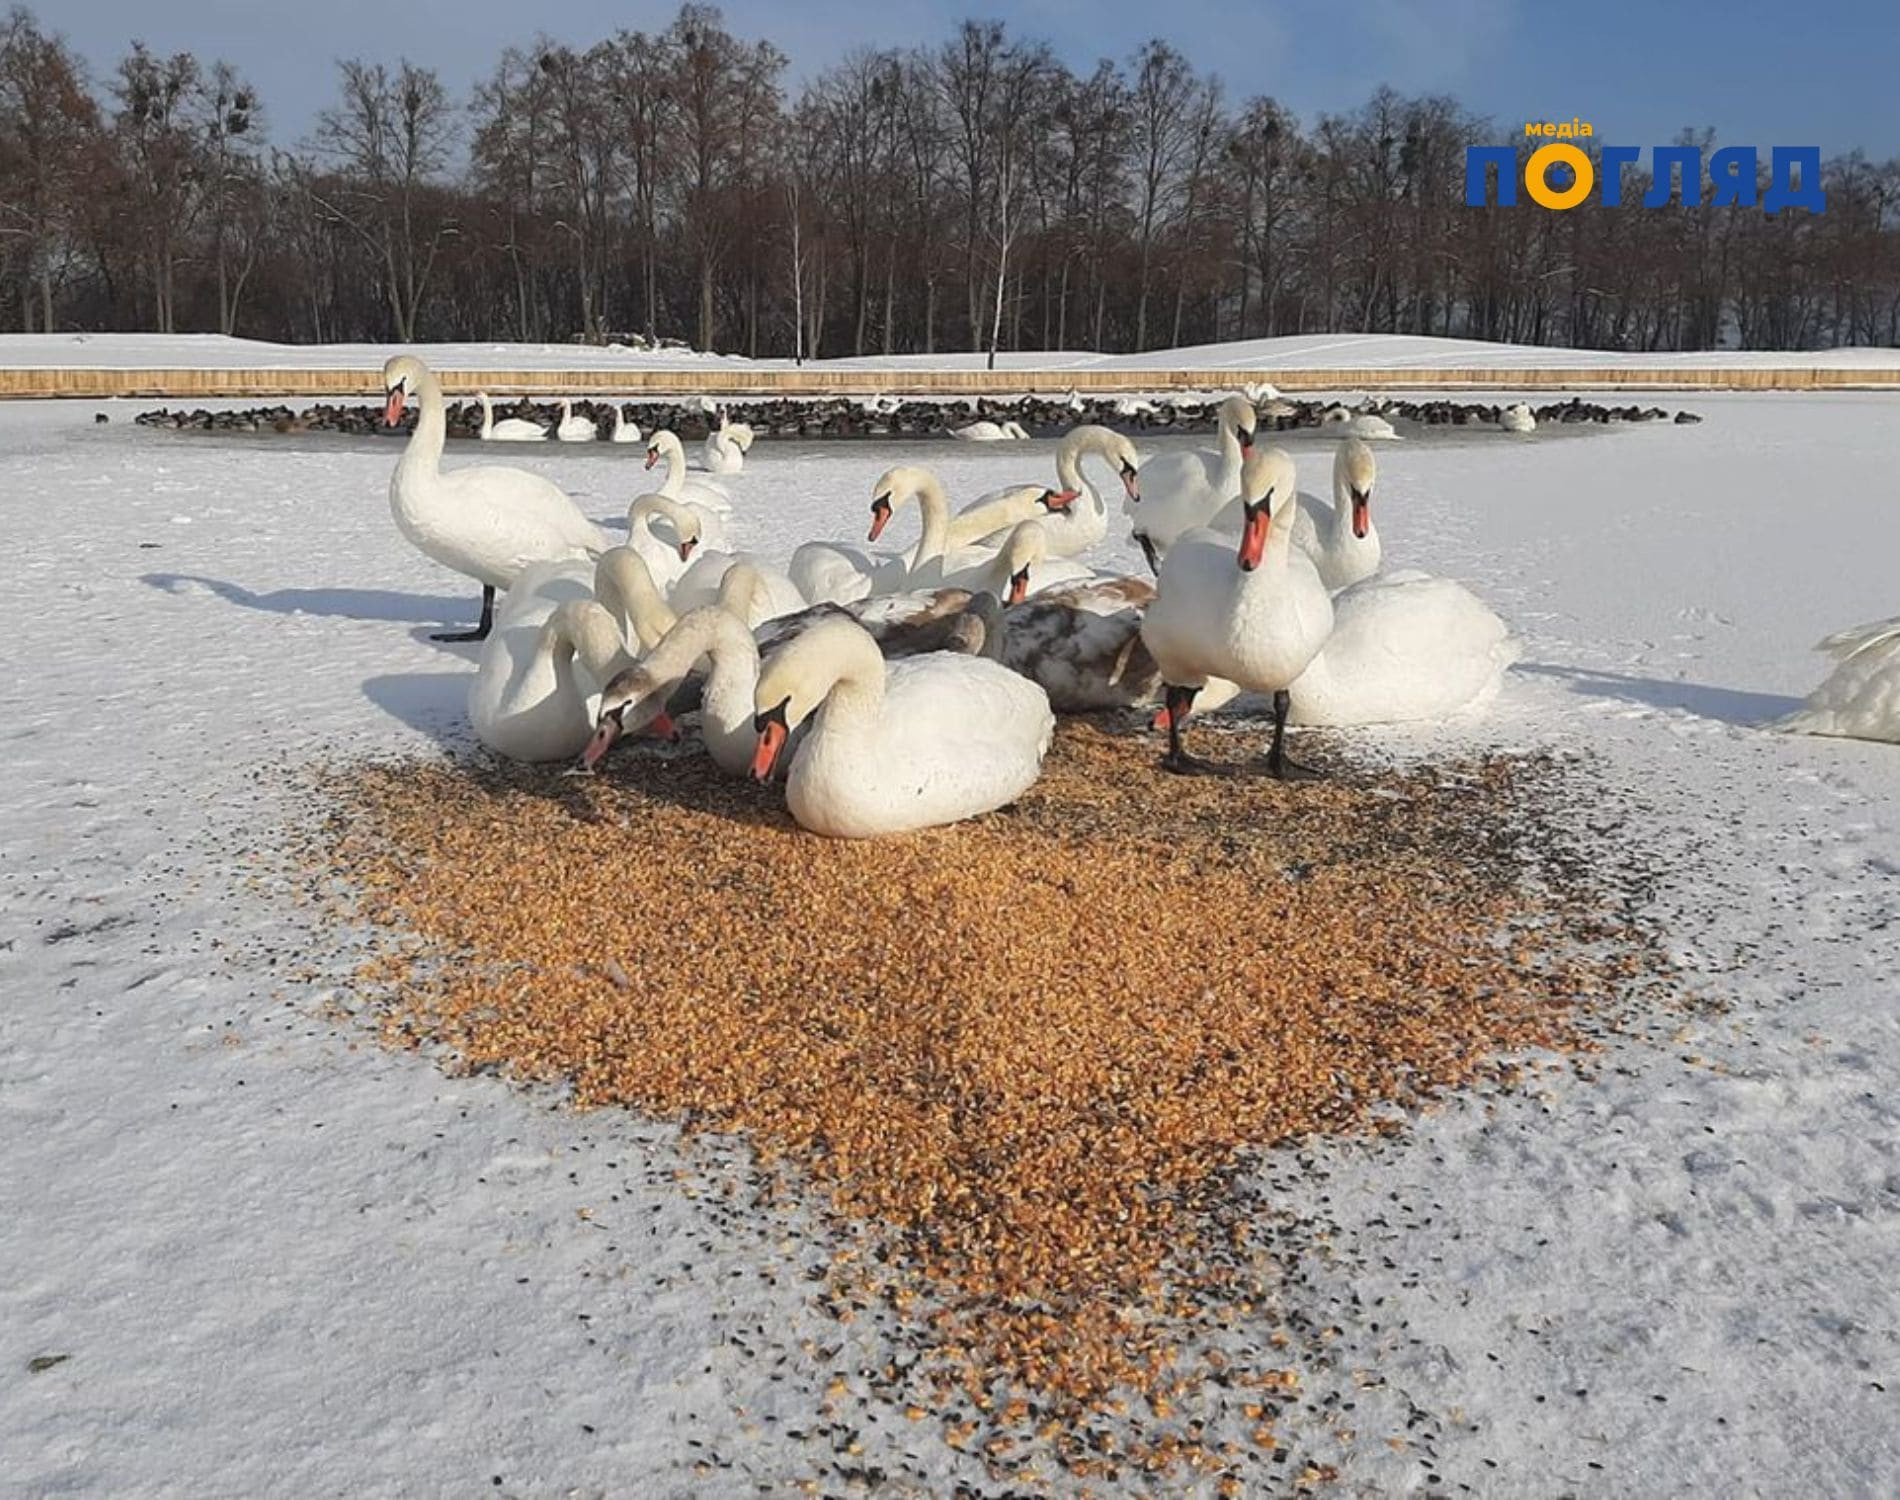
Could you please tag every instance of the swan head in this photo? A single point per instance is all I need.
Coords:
(1355, 471)
(634, 699)
(683, 519)
(402, 373)
(1267, 480)
(1237, 413)
(742, 593)
(1028, 545)
(660, 445)
(893, 488)
(794, 681)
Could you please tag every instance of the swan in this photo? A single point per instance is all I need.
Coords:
(619, 581)
(895, 747)
(1339, 538)
(901, 624)
(1080, 519)
(1861, 698)
(508, 429)
(699, 585)
(527, 701)
(487, 522)
(1180, 491)
(990, 432)
(1404, 646)
(1359, 424)
(986, 522)
(1517, 417)
(665, 532)
(637, 695)
(676, 486)
(623, 430)
(726, 447)
(1256, 615)
(1081, 643)
(834, 573)
(573, 429)
(1022, 567)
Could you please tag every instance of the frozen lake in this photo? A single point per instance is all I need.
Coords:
(275, 1257)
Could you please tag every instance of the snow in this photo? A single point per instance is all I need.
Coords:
(195, 351)
(282, 1259)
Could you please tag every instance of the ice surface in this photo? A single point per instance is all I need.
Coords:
(280, 1259)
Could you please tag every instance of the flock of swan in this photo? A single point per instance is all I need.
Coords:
(900, 690)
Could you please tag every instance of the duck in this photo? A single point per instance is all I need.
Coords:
(1078, 519)
(1182, 491)
(573, 429)
(487, 522)
(666, 532)
(623, 431)
(636, 696)
(1861, 698)
(1081, 643)
(989, 432)
(508, 429)
(895, 747)
(666, 445)
(1256, 614)
(726, 446)
(528, 701)
(1517, 417)
(1403, 647)
(1339, 538)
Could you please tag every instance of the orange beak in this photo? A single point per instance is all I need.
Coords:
(1253, 538)
(1131, 483)
(686, 547)
(662, 727)
(653, 457)
(392, 408)
(880, 517)
(1059, 499)
(1018, 586)
(771, 741)
(599, 743)
(1361, 514)
(1246, 443)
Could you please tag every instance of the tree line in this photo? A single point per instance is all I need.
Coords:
(972, 195)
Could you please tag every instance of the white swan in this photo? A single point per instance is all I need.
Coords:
(725, 448)
(1861, 698)
(1517, 417)
(1180, 491)
(619, 581)
(1359, 424)
(508, 429)
(623, 430)
(1078, 516)
(1339, 538)
(573, 429)
(676, 486)
(700, 584)
(1022, 566)
(487, 522)
(836, 573)
(1256, 615)
(665, 533)
(1404, 646)
(636, 696)
(528, 701)
(990, 432)
(919, 742)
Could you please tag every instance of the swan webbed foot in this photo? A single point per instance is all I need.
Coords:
(1278, 764)
(480, 632)
(1180, 763)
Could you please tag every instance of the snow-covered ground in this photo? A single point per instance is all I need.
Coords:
(1322, 351)
(275, 1258)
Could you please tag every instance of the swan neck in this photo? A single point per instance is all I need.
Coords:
(426, 442)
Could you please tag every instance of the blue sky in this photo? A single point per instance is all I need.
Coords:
(1760, 73)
